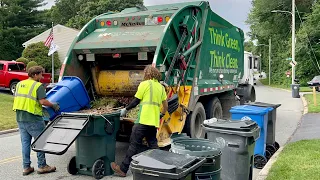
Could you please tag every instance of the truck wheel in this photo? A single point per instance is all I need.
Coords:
(13, 86)
(195, 119)
(214, 109)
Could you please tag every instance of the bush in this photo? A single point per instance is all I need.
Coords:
(38, 52)
(24, 60)
(31, 64)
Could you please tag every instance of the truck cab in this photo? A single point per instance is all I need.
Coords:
(12, 72)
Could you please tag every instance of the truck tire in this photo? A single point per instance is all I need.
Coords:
(214, 109)
(13, 86)
(194, 120)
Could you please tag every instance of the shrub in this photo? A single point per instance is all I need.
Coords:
(31, 64)
(24, 60)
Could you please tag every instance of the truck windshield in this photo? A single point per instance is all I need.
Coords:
(16, 67)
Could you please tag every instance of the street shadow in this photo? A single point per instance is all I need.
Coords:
(5, 91)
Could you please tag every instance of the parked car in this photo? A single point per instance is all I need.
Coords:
(315, 82)
(11, 72)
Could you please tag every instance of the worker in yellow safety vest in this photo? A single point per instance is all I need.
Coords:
(150, 95)
(28, 100)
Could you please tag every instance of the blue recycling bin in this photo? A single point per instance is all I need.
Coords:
(71, 95)
(260, 116)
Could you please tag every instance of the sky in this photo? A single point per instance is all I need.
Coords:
(234, 11)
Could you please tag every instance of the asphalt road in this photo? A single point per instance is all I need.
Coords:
(288, 116)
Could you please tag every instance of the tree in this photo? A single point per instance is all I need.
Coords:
(38, 52)
(19, 21)
(265, 25)
(76, 13)
(308, 46)
(248, 46)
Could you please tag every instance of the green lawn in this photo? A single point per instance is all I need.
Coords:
(311, 107)
(287, 87)
(298, 161)
(7, 116)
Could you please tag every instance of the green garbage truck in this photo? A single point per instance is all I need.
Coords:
(200, 56)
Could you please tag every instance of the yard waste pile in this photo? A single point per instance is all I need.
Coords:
(106, 105)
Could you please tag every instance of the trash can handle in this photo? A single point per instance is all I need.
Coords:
(209, 177)
(196, 165)
(105, 119)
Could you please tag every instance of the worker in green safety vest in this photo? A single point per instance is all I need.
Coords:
(150, 95)
(28, 100)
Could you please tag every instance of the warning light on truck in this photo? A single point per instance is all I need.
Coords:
(160, 19)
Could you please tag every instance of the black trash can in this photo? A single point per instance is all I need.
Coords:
(272, 145)
(295, 90)
(157, 164)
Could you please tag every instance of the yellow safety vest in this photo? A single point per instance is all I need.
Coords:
(153, 95)
(25, 97)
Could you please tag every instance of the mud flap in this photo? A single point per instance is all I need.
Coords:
(60, 134)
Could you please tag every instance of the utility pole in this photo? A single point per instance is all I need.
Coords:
(269, 61)
(293, 39)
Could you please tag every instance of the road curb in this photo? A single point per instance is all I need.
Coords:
(263, 174)
(9, 131)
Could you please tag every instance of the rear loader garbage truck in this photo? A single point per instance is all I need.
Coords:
(199, 54)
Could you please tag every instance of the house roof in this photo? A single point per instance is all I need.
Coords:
(48, 31)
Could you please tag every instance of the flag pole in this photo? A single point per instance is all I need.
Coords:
(52, 60)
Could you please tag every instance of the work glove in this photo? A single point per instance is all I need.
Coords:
(56, 107)
(123, 112)
(161, 115)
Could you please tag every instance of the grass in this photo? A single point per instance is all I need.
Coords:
(311, 107)
(287, 87)
(7, 115)
(299, 160)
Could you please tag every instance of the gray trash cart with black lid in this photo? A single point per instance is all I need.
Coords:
(157, 164)
(237, 141)
(211, 169)
(272, 145)
(94, 137)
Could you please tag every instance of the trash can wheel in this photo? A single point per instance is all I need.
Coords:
(98, 169)
(72, 166)
(259, 161)
(271, 148)
(268, 155)
(276, 145)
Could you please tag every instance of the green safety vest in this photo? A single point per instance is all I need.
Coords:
(153, 95)
(25, 97)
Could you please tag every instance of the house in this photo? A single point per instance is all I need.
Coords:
(63, 37)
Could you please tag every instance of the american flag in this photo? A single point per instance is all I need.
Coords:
(49, 39)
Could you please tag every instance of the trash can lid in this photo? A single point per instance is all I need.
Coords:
(162, 161)
(247, 109)
(241, 125)
(262, 104)
(245, 128)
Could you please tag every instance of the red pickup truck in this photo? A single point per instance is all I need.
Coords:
(11, 72)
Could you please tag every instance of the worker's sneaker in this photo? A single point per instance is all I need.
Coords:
(46, 169)
(28, 171)
(117, 170)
